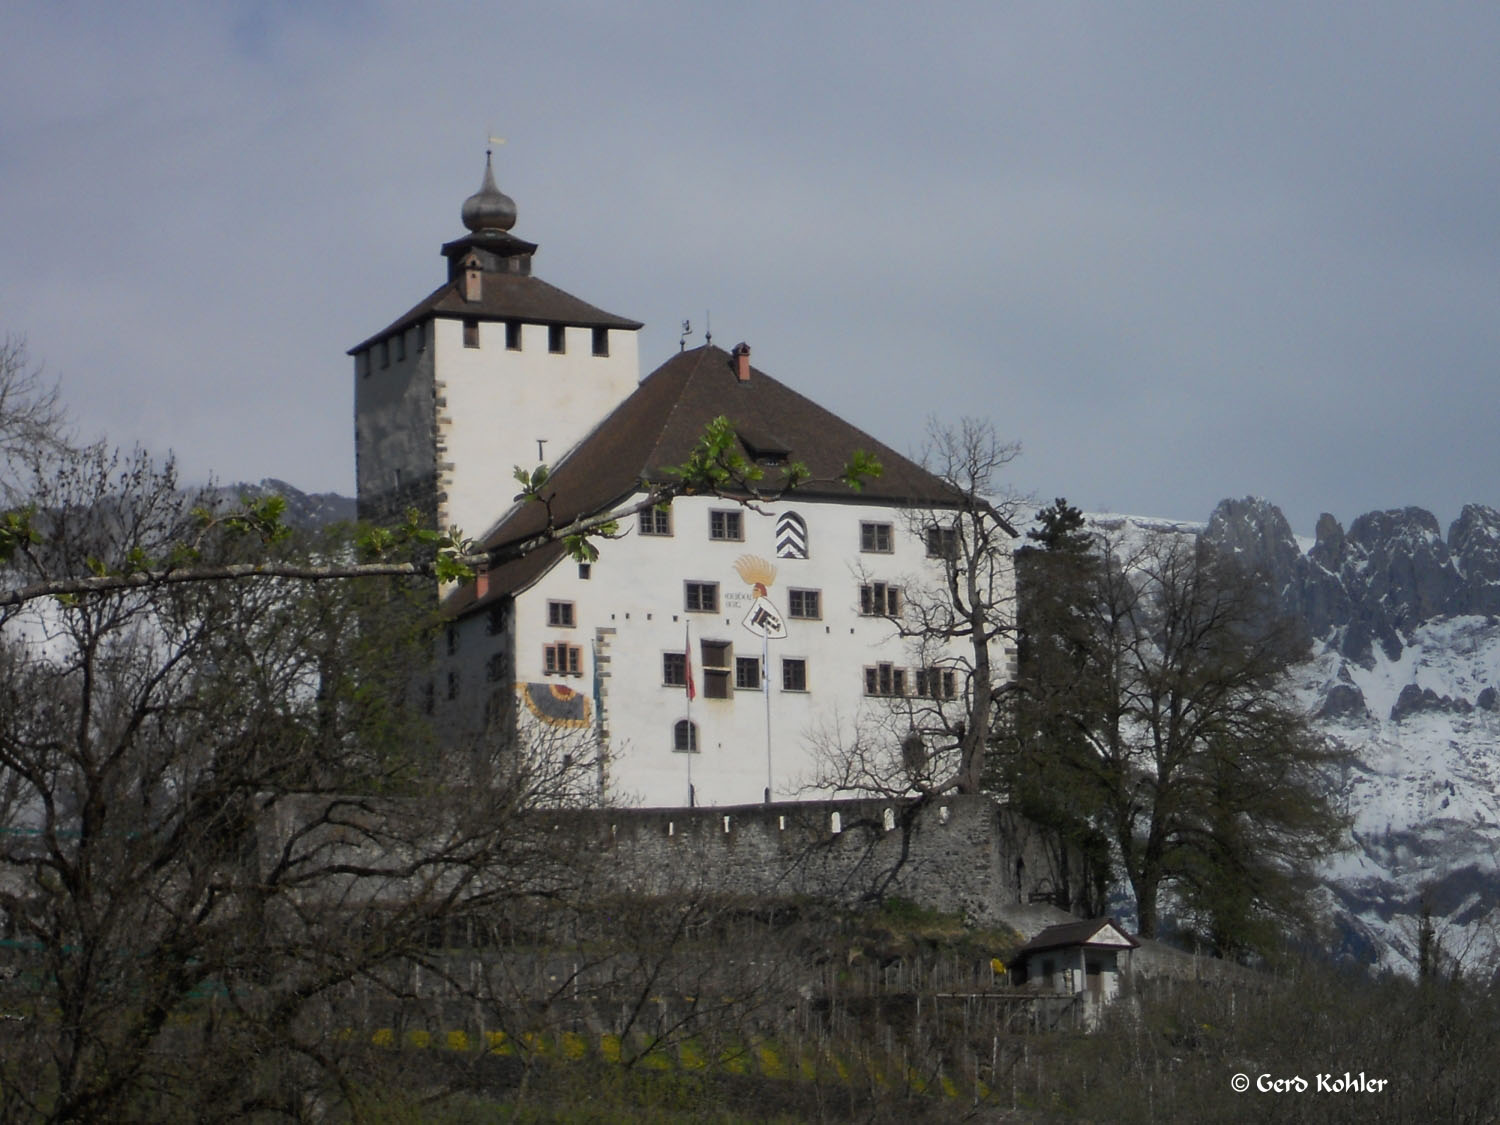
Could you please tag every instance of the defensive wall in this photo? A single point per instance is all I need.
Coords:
(964, 854)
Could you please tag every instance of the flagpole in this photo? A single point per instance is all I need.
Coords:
(765, 683)
(687, 665)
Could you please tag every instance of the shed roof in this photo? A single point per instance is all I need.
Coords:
(1096, 933)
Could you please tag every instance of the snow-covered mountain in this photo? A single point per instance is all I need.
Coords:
(1406, 639)
(309, 510)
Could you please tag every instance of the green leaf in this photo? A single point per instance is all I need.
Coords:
(448, 568)
(16, 531)
(580, 548)
(860, 468)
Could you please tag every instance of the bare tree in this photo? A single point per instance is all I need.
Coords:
(32, 421)
(224, 815)
(957, 618)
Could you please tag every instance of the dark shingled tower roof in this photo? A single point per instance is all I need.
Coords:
(659, 425)
(509, 291)
(506, 296)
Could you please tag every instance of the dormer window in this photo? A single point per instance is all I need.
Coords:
(765, 449)
(473, 278)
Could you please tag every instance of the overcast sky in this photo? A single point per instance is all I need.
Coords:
(1178, 251)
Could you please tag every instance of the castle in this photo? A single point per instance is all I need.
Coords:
(718, 652)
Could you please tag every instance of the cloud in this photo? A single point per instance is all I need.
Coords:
(1179, 253)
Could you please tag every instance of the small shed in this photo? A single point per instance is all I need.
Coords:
(1073, 958)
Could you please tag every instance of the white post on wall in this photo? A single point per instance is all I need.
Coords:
(692, 735)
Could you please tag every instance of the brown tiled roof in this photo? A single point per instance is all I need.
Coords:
(505, 296)
(659, 425)
(1073, 933)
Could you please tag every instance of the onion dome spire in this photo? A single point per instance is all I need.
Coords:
(489, 208)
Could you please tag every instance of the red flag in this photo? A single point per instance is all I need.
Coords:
(687, 663)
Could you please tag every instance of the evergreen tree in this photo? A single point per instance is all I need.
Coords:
(1155, 711)
(1037, 762)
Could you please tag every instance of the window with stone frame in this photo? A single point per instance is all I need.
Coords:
(747, 673)
(562, 659)
(942, 541)
(879, 599)
(793, 674)
(885, 680)
(656, 521)
(701, 597)
(937, 683)
(718, 664)
(726, 525)
(875, 537)
(806, 604)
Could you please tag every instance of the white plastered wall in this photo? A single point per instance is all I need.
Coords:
(494, 403)
(635, 595)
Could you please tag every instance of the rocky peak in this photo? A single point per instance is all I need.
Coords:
(1396, 560)
(1256, 533)
(1474, 545)
(1328, 549)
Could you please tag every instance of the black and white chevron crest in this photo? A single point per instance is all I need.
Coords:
(791, 536)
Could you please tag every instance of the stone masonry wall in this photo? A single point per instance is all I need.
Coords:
(958, 854)
(962, 854)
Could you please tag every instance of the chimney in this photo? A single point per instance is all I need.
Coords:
(482, 582)
(741, 355)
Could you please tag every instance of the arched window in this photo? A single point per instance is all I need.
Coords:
(685, 737)
(791, 536)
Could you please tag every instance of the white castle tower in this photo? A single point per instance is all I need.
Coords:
(454, 393)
